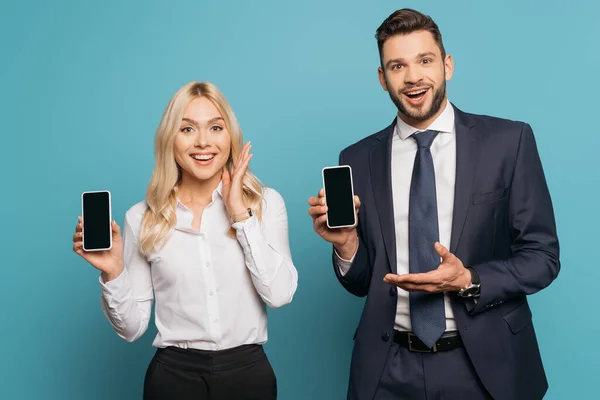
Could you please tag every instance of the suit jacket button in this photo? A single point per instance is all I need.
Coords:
(385, 337)
(392, 291)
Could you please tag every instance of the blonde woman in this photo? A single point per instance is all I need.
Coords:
(210, 246)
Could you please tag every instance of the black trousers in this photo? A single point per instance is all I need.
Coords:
(240, 373)
(446, 375)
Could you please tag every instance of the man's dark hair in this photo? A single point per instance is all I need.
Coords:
(406, 21)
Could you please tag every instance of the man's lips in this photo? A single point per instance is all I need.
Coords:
(416, 96)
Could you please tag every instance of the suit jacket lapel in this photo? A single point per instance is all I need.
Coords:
(467, 156)
(380, 159)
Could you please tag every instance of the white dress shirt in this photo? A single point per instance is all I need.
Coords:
(404, 150)
(210, 288)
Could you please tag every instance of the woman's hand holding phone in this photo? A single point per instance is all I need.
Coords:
(109, 262)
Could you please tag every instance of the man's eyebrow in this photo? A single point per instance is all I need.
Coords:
(401, 60)
(394, 61)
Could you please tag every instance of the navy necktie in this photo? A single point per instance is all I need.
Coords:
(427, 312)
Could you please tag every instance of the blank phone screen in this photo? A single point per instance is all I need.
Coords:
(339, 197)
(96, 221)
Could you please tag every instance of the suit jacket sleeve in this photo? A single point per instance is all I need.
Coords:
(534, 262)
(358, 277)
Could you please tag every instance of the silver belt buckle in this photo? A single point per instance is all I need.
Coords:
(410, 336)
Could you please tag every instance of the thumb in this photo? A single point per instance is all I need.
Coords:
(226, 178)
(442, 251)
(116, 230)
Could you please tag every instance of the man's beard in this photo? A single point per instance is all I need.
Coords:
(436, 104)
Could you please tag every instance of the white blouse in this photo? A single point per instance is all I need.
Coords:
(210, 288)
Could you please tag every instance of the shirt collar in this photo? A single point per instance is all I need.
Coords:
(217, 192)
(443, 123)
(185, 215)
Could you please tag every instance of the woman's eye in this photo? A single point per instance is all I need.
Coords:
(186, 129)
(216, 128)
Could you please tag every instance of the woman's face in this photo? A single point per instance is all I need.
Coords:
(203, 143)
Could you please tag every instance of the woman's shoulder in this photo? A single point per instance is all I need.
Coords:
(272, 199)
(135, 214)
(271, 195)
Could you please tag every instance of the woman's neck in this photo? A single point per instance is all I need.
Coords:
(196, 192)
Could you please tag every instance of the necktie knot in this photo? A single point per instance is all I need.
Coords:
(425, 138)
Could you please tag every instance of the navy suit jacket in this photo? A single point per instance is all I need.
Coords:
(503, 226)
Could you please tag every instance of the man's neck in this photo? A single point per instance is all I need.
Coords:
(423, 124)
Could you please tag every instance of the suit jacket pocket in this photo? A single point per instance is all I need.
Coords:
(518, 318)
(490, 197)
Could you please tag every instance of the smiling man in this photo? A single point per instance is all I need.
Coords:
(455, 229)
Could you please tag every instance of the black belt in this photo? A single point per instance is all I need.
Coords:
(448, 341)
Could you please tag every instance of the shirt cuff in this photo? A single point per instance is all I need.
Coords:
(117, 289)
(342, 264)
(248, 223)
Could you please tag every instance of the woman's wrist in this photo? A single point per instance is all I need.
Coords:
(112, 274)
(240, 215)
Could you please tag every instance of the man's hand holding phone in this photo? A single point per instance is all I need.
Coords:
(345, 240)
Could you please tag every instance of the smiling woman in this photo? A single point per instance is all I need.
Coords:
(210, 243)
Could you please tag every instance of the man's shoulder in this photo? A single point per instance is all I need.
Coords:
(361, 147)
(490, 124)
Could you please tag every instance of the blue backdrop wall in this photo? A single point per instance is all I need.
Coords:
(83, 88)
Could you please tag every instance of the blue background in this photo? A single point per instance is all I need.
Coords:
(84, 84)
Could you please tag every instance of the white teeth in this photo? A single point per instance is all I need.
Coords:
(417, 92)
(203, 157)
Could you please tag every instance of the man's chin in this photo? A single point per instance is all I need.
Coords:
(417, 113)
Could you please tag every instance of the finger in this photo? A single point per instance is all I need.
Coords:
(116, 229)
(322, 192)
(317, 211)
(79, 219)
(322, 220)
(226, 178)
(410, 287)
(78, 247)
(241, 157)
(427, 278)
(443, 252)
(356, 202)
(243, 167)
(79, 227)
(314, 201)
(242, 164)
(77, 237)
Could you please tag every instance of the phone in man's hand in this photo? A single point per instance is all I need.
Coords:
(339, 196)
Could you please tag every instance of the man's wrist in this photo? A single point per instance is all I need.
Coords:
(474, 276)
(472, 288)
(348, 248)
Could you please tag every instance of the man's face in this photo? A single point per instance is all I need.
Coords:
(414, 73)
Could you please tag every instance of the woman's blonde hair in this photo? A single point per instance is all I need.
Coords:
(161, 196)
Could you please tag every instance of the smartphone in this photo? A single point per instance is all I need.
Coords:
(339, 196)
(97, 217)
